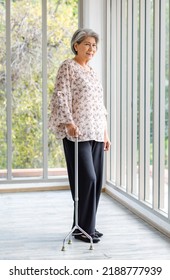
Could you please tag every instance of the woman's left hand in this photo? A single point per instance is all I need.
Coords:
(107, 142)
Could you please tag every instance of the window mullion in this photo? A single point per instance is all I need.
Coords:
(162, 105)
(141, 101)
(118, 92)
(8, 89)
(44, 89)
(169, 130)
(129, 100)
(113, 82)
(147, 101)
(156, 106)
(123, 93)
(134, 97)
(108, 83)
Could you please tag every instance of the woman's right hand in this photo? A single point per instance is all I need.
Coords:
(72, 130)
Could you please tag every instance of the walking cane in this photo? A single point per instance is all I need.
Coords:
(76, 199)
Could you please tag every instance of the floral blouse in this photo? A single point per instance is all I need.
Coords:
(78, 98)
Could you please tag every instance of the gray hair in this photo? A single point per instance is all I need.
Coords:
(80, 35)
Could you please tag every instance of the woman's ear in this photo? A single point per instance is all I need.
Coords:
(75, 46)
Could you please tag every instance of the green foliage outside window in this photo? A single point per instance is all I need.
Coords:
(26, 77)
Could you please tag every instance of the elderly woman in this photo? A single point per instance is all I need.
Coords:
(77, 110)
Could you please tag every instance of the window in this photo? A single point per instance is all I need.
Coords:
(35, 39)
(138, 99)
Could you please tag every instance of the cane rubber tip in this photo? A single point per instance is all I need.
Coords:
(63, 248)
(91, 247)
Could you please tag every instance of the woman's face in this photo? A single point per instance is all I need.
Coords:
(86, 49)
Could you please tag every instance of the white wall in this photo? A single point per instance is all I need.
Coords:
(92, 14)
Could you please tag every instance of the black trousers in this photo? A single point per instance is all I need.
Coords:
(90, 175)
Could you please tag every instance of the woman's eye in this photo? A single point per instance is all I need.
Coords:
(93, 46)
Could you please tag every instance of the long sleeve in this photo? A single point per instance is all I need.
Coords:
(61, 101)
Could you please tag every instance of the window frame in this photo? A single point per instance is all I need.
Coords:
(137, 202)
